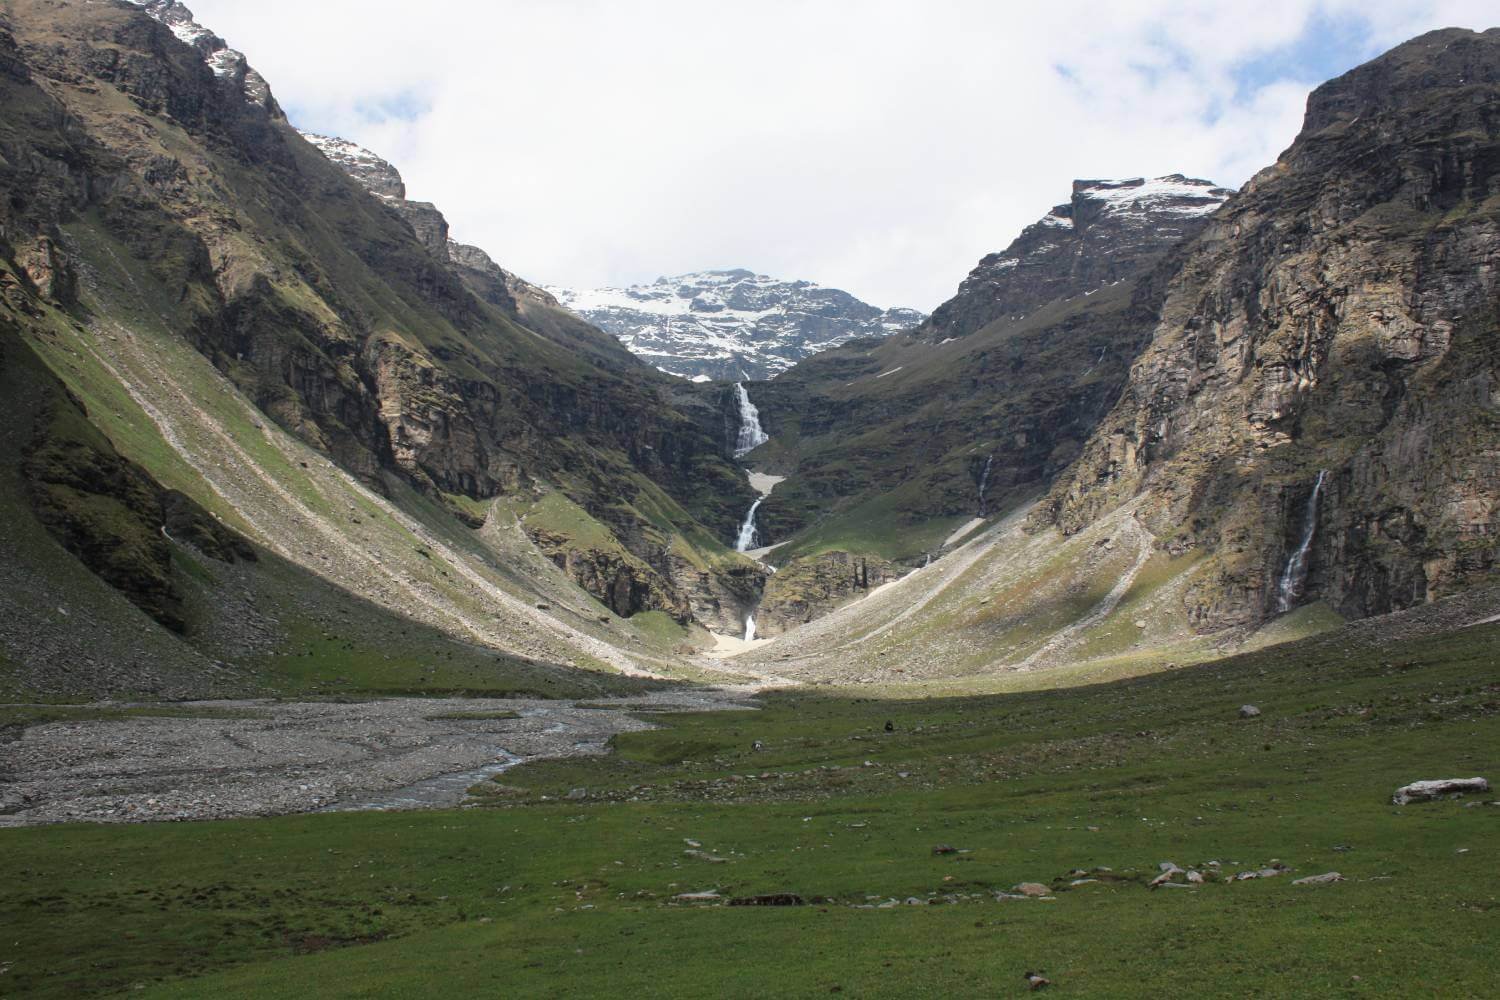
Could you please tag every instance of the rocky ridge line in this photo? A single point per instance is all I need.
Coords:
(1104, 233)
(732, 324)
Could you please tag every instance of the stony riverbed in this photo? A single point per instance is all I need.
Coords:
(221, 759)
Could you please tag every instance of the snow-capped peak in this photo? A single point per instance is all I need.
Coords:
(731, 324)
(1174, 194)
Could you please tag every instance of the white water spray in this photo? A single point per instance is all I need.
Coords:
(746, 540)
(1294, 577)
(750, 435)
(749, 628)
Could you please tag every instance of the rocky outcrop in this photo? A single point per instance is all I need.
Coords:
(731, 325)
(991, 399)
(1337, 322)
(144, 156)
(228, 65)
(812, 586)
(374, 174)
(623, 583)
(721, 599)
(1105, 233)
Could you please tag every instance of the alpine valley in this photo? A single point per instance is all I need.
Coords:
(514, 637)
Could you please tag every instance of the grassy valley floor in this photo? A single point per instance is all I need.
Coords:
(562, 881)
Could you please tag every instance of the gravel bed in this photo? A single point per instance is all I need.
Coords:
(263, 758)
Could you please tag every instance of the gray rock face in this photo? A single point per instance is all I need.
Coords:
(229, 65)
(731, 324)
(1105, 233)
(373, 173)
(1323, 368)
(520, 291)
(383, 180)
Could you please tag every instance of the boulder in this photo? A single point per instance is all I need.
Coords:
(1326, 878)
(1259, 873)
(1249, 712)
(1169, 873)
(1424, 791)
(1032, 889)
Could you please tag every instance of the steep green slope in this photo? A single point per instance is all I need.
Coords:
(97, 554)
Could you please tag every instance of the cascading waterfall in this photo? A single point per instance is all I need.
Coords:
(746, 540)
(750, 434)
(1294, 577)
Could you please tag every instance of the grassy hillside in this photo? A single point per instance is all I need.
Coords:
(542, 896)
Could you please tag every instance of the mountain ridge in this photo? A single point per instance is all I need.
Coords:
(732, 324)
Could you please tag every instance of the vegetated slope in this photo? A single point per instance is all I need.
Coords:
(889, 445)
(731, 325)
(113, 584)
(188, 266)
(1326, 372)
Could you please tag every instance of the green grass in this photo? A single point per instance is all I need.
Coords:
(880, 526)
(19, 717)
(534, 895)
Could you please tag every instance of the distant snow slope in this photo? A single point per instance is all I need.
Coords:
(731, 324)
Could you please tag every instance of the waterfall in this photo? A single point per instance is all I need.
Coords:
(1295, 575)
(746, 539)
(984, 481)
(750, 435)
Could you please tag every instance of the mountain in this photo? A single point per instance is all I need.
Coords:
(1316, 411)
(265, 427)
(888, 445)
(1103, 234)
(1296, 418)
(237, 333)
(731, 325)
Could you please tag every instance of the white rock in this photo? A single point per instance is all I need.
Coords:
(1422, 791)
(1325, 879)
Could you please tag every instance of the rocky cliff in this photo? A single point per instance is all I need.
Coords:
(154, 186)
(812, 586)
(889, 444)
(1325, 371)
(731, 325)
(1104, 234)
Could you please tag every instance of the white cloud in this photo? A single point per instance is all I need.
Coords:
(881, 147)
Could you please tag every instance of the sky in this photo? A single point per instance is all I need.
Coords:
(878, 146)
